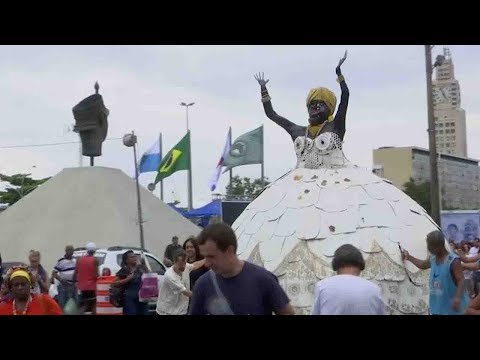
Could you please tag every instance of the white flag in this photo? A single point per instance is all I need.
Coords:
(212, 184)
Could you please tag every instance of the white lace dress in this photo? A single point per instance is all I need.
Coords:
(295, 225)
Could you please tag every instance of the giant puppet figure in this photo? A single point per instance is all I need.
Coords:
(295, 225)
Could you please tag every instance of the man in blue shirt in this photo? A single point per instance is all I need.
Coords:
(233, 286)
(447, 291)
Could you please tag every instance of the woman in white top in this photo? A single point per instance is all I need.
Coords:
(174, 292)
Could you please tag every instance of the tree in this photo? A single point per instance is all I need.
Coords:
(419, 192)
(20, 186)
(244, 188)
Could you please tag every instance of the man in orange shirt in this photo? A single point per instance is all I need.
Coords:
(86, 274)
(20, 282)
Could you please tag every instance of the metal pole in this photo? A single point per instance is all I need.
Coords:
(80, 158)
(190, 201)
(161, 181)
(262, 175)
(263, 169)
(434, 188)
(231, 173)
(190, 192)
(139, 204)
(91, 160)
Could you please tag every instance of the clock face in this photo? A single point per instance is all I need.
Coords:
(439, 95)
(443, 95)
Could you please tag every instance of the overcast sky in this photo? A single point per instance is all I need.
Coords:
(143, 86)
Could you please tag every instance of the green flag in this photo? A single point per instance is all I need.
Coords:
(246, 149)
(176, 159)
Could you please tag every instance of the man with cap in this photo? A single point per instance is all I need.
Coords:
(85, 275)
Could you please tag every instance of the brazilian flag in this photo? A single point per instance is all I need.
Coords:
(176, 159)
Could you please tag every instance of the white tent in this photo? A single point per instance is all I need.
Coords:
(85, 204)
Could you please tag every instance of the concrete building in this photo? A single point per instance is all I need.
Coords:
(450, 123)
(458, 176)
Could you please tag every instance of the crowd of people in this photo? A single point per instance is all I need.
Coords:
(468, 252)
(25, 287)
(205, 277)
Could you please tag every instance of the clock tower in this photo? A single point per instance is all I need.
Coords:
(450, 124)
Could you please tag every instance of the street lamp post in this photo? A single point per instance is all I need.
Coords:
(186, 108)
(190, 192)
(432, 144)
(130, 140)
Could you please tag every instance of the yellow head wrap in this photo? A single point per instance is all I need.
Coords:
(21, 273)
(325, 95)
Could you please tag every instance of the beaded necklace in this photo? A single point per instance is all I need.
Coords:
(26, 307)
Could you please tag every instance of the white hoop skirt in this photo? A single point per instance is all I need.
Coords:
(295, 225)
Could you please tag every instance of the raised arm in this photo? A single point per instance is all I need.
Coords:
(341, 115)
(198, 264)
(421, 264)
(267, 106)
(467, 259)
(470, 266)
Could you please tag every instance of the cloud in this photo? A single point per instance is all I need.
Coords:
(143, 86)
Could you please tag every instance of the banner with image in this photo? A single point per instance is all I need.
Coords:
(459, 226)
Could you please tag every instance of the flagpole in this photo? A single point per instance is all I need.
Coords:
(231, 174)
(263, 170)
(190, 206)
(80, 155)
(160, 154)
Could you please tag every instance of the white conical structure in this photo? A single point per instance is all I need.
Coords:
(85, 204)
(295, 225)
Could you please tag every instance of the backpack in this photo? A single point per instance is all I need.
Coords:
(116, 295)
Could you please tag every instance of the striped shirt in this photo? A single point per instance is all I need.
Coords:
(65, 268)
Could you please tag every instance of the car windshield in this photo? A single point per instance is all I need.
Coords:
(155, 266)
(119, 259)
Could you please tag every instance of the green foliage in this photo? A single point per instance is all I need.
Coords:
(19, 186)
(419, 192)
(244, 188)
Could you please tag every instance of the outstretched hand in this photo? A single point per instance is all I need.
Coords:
(260, 78)
(342, 60)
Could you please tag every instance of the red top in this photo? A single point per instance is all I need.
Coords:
(40, 304)
(86, 273)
